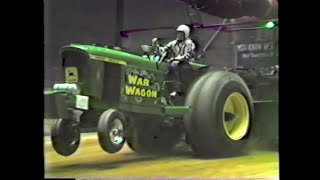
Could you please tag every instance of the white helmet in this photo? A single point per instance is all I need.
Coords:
(185, 29)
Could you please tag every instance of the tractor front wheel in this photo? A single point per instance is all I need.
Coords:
(65, 136)
(111, 131)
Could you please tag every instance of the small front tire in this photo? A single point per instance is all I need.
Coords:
(65, 136)
(111, 131)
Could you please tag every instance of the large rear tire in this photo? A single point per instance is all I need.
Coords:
(219, 122)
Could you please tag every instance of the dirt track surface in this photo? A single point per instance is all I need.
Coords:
(91, 161)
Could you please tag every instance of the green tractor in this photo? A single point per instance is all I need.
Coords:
(128, 98)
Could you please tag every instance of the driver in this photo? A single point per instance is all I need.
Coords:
(184, 50)
(183, 47)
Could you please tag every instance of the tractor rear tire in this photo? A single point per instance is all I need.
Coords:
(221, 113)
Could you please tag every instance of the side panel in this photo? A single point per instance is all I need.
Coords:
(112, 79)
(141, 90)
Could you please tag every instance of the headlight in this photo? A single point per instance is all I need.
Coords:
(72, 88)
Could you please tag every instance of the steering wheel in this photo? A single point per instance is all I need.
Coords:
(167, 56)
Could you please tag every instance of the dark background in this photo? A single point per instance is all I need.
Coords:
(99, 21)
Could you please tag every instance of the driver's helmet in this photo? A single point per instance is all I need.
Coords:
(185, 29)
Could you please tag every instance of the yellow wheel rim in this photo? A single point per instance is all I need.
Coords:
(236, 116)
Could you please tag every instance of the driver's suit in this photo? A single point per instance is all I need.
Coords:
(183, 51)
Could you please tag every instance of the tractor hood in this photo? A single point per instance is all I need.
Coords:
(114, 56)
(119, 57)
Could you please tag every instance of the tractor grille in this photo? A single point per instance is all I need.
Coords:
(96, 79)
(89, 72)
